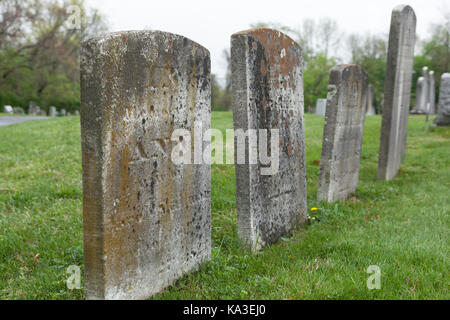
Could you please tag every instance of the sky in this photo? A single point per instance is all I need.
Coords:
(211, 22)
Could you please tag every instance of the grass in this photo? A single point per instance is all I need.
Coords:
(400, 226)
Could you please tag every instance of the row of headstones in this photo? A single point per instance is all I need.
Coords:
(424, 102)
(34, 109)
(147, 220)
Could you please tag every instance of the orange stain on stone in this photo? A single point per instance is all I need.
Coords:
(280, 53)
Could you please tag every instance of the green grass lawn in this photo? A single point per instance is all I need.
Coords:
(41, 223)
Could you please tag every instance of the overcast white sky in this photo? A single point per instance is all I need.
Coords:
(211, 22)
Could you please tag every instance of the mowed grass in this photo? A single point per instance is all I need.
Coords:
(402, 226)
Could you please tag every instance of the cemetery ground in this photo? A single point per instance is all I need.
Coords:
(401, 225)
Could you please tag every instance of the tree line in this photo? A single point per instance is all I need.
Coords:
(324, 45)
(39, 51)
(39, 54)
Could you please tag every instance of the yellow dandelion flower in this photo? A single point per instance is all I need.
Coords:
(313, 209)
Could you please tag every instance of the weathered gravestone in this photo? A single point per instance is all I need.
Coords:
(369, 107)
(267, 86)
(443, 117)
(146, 218)
(77, 113)
(52, 111)
(8, 109)
(63, 112)
(397, 91)
(33, 108)
(321, 106)
(431, 93)
(343, 132)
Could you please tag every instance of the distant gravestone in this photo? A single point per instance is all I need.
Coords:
(321, 106)
(369, 107)
(8, 109)
(146, 218)
(52, 111)
(431, 93)
(77, 113)
(33, 108)
(267, 91)
(397, 91)
(443, 117)
(422, 99)
(63, 112)
(343, 132)
(68, 114)
(43, 113)
(419, 95)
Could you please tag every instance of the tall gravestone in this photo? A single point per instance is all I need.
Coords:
(146, 218)
(267, 86)
(431, 93)
(443, 117)
(419, 95)
(424, 101)
(321, 105)
(343, 132)
(397, 91)
(369, 107)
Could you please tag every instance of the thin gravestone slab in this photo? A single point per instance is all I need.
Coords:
(146, 219)
(397, 91)
(267, 85)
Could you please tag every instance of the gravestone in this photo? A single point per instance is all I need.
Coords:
(63, 112)
(267, 89)
(431, 93)
(146, 218)
(422, 101)
(419, 95)
(52, 111)
(369, 107)
(397, 91)
(43, 113)
(343, 132)
(321, 105)
(33, 108)
(443, 117)
(68, 114)
(77, 113)
(8, 109)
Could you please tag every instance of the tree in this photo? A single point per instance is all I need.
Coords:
(315, 78)
(370, 51)
(39, 53)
